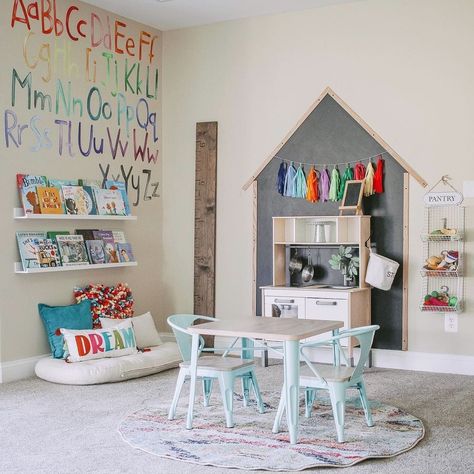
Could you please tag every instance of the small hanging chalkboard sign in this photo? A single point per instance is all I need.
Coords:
(352, 197)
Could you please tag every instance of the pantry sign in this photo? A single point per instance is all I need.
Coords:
(438, 199)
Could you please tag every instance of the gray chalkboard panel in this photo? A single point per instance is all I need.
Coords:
(330, 135)
(352, 193)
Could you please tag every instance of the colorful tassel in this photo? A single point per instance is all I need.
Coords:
(312, 194)
(325, 182)
(359, 171)
(347, 176)
(300, 183)
(369, 180)
(290, 181)
(378, 177)
(335, 183)
(281, 178)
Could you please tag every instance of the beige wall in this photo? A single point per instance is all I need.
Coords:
(405, 66)
(22, 334)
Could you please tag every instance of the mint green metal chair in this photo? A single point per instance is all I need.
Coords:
(224, 369)
(335, 378)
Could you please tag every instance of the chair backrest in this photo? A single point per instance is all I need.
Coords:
(179, 323)
(365, 337)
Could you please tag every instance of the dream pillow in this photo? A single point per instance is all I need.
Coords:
(75, 316)
(98, 343)
(144, 327)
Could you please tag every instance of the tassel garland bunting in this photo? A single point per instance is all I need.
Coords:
(359, 171)
(290, 181)
(312, 194)
(347, 176)
(335, 183)
(281, 178)
(300, 183)
(369, 180)
(378, 177)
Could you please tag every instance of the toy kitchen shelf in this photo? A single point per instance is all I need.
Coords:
(319, 231)
(443, 253)
(351, 305)
(19, 213)
(18, 267)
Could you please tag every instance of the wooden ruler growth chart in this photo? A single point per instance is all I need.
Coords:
(205, 220)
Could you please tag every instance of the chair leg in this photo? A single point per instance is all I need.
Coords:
(207, 389)
(226, 382)
(245, 389)
(309, 396)
(365, 403)
(279, 414)
(177, 392)
(256, 391)
(337, 392)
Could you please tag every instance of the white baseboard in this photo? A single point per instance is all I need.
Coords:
(383, 358)
(19, 369)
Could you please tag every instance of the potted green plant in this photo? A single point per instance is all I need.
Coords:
(346, 263)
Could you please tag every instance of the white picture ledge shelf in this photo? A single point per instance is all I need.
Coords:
(18, 267)
(19, 213)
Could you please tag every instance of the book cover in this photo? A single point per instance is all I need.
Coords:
(96, 251)
(48, 255)
(79, 200)
(59, 183)
(120, 186)
(87, 234)
(94, 183)
(125, 253)
(107, 237)
(27, 185)
(51, 234)
(72, 250)
(49, 200)
(28, 243)
(109, 202)
(119, 237)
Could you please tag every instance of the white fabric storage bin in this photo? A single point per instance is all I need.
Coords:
(381, 271)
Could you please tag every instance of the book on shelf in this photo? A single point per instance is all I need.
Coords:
(107, 237)
(88, 234)
(119, 237)
(27, 185)
(120, 186)
(96, 251)
(72, 250)
(28, 246)
(59, 183)
(49, 199)
(48, 255)
(93, 183)
(125, 253)
(79, 200)
(51, 234)
(109, 202)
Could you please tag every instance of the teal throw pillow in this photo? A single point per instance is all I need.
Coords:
(75, 316)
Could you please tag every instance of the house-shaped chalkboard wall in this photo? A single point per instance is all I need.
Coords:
(331, 132)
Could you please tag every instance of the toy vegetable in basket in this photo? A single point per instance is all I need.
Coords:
(440, 298)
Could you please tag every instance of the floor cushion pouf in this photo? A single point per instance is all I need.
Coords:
(117, 369)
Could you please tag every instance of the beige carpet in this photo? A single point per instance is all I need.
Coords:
(48, 428)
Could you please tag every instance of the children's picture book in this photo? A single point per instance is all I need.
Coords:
(94, 183)
(79, 200)
(109, 202)
(49, 200)
(72, 250)
(59, 183)
(119, 237)
(27, 185)
(107, 237)
(96, 251)
(28, 245)
(48, 255)
(88, 234)
(120, 186)
(51, 234)
(125, 253)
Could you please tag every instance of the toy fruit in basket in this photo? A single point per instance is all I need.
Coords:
(440, 298)
(447, 261)
(433, 262)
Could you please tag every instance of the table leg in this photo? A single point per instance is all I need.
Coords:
(292, 387)
(193, 375)
(335, 349)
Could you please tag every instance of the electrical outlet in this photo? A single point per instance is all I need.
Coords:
(450, 322)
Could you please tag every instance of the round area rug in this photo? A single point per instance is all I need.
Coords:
(252, 445)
